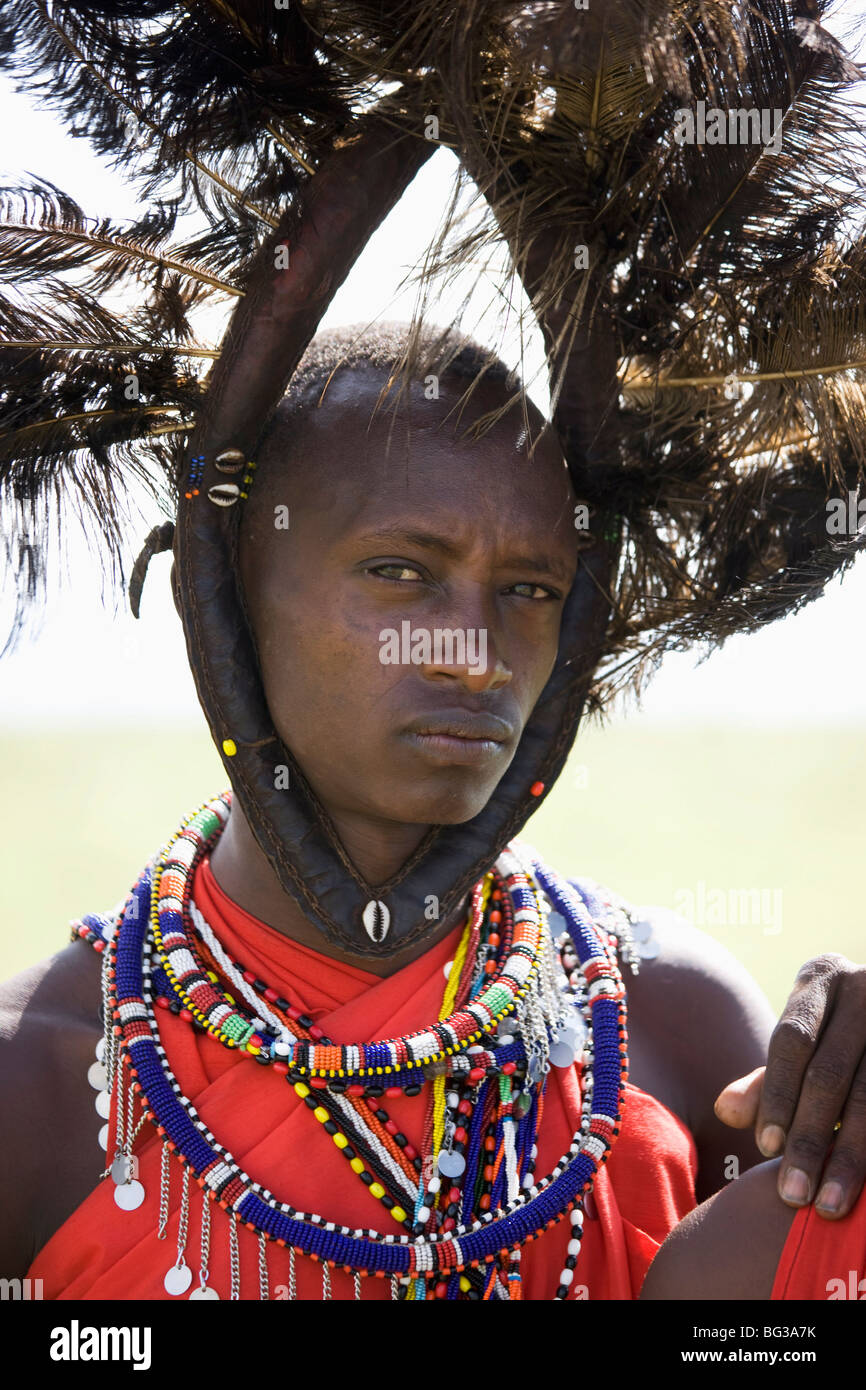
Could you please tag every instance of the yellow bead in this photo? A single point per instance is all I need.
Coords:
(301, 1089)
(398, 1213)
(321, 1114)
(253, 1049)
(465, 1285)
(340, 1140)
(356, 1165)
(377, 1189)
(229, 747)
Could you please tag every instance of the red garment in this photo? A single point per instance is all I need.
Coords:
(823, 1259)
(100, 1252)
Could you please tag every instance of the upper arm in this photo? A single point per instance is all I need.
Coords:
(727, 1248)
(711, 1023)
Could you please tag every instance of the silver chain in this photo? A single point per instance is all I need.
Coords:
(164, 1187)
(264, 1292)
(234, 1257)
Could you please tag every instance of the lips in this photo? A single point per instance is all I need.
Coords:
(459, 737)
(463, 724)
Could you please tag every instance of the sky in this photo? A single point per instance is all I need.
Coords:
(809, 668)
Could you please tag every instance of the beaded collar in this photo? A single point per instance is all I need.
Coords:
(150, 941)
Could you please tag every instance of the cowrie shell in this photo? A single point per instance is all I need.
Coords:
(224, 494)
(377, 920)
(230, 461)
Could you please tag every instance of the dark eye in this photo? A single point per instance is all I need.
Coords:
(396, 573)
(533, 591)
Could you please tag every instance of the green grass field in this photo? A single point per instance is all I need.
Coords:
(652, 811)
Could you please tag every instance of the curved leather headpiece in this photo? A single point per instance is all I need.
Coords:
(271, 328)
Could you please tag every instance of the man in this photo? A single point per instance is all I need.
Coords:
(398, 517)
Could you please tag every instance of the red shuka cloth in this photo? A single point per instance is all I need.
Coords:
(823, 1260)
(101, 1252)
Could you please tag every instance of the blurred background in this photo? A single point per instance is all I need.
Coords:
(733, 793)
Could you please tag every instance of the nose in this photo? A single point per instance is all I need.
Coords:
(467, 654)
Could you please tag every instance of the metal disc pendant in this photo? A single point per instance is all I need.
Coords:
(224, 494)
(97, 1076)
(641, 931)
(103, 1104)
(102, 1138)
(230, 461)
(130, 1196)
(646, 950)
(121, 1170)
(100, 1050)
(377, 920)
(451, 1165)
(562, 1054)
(203, 1293)
(178, 1279)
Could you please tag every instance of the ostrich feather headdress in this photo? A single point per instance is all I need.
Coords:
(679, 185)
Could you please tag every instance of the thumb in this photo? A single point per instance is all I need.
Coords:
(737, 1104)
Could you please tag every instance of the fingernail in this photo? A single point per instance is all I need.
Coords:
(771, 1140)
(795, 1186)
(830, 1197)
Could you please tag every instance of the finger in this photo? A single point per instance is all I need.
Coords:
(792, 1047)
(737, 1104)
(826, 1086)
(845, 1172)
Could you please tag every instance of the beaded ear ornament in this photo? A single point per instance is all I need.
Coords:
(515, 1004)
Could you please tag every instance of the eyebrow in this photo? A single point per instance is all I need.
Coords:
(429, 540)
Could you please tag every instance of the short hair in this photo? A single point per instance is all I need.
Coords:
(398, 348)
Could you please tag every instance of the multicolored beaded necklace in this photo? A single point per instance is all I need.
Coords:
(512, 1008)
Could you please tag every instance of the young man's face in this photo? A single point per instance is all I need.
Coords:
(399, 530)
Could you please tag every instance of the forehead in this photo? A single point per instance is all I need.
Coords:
(419, 452)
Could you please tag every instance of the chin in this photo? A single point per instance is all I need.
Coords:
(452, 806)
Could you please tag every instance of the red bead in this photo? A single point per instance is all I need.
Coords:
(318, 1082)
(441, 1290)
(315, 1032)
(185, 1015)
(356, 1090)
(449, 1223)
(162, 1002)
(465, 1106)
(496, 915)
(249, 977)
(490, 1144)
(391, 1127)
(488, 1173)
(293, 1012)
(536, 789)
(484, 1203)
(410, 1152)
(490, 967)
(271, 996)
(281, 1067)
(460, 1135)
(477, 1074)
(392, 1091)
(454, 1195)
(257, 1040)
(509, 1068)
(494, 940)
(99, 947)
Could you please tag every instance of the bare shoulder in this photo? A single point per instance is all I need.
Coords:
(727, 1248)
(49, 1026)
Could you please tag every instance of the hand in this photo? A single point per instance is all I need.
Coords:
(815, 1077)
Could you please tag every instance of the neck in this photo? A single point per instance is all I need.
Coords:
(243, 872)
